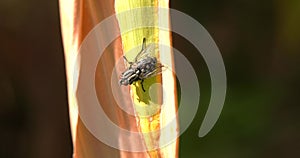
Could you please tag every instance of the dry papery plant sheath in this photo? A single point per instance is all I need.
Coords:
(138, 111)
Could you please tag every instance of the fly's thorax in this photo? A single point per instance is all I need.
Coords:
(127, 72)
(129, 76)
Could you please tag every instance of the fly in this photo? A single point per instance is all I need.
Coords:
(144, 66)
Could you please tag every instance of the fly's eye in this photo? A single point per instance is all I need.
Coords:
(123, 82)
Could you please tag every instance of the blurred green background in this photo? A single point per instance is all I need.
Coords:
(260, 45)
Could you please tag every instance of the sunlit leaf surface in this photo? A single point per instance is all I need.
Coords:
(78, 18)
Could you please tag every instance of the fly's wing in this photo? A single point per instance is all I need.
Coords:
(146, 51)
(158, 70)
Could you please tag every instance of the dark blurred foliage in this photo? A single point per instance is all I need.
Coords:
(260, 44)
(33, 97)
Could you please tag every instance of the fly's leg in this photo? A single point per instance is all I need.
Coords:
(143, 85)
(130, 63)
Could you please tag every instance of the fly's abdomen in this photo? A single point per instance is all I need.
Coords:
(147, 66)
